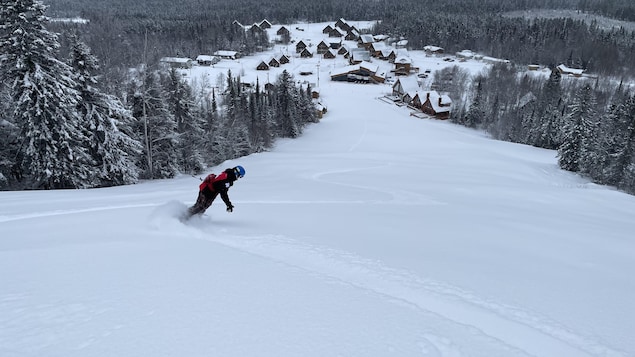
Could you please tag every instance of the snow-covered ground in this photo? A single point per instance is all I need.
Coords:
(374, 234)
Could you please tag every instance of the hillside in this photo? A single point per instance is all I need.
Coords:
(376, 233)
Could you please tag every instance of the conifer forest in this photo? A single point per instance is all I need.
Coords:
(87, 105)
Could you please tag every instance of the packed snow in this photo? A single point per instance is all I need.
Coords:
(376, 233)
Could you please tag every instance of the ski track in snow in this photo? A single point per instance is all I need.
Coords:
(513, 327)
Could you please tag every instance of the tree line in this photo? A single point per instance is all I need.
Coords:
(61, 129)
(591, 123)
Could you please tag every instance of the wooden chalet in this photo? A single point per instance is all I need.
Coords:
(403, 65)
(227, 54)
(375, 48)
(405, 87)
(335, 45)
(274, 62)
(236, 24)
(327, 29)
(283, 31)
(364, 72)
(433, 50)
(256, 29)
(207, 60)
(358, 55)
(342, 50)
(262, 66)
(352, 36)
(335, 33)
(300, 46)
(264, 24)
(434, 104)
(365, 41)
(306, 53)
(329, 54)
(176, 62)
(322, 47)
(341, 23)
(284, 59)
(570, 71)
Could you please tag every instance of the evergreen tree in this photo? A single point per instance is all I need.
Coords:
(189, 124)
(51, 153)
(285, 108)
(619, 135)
(576, 150)
(155, 126)
(476, 114)
(113, 151)
(545, 128)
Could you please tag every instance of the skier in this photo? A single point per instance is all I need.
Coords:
(212, 186)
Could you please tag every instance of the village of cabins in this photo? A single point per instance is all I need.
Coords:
(360, 49)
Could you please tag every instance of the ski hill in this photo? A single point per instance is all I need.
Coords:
(376, 233)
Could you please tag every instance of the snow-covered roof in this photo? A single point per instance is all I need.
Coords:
(565, 69)
(367, 38)
(224, 53)
(432, 48)
(437, 100)
(205, 58)
(408, 84)
(403, 60)
(175, 60)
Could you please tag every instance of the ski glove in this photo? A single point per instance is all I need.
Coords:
(230, 208)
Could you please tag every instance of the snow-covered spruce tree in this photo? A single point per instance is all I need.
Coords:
(114, 152)
(545, 127)
(576, 151)
(155, 126)
(619, 134)
(189, 124)
(475, 115)
(285, 97)
(50, 153)
(8, 138)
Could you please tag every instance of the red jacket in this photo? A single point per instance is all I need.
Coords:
(213, 185)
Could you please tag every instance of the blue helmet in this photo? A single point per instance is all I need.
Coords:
(239, 171)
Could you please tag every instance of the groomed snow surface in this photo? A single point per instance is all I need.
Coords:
(374, 234)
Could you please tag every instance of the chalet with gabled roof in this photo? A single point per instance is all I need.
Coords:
(262, 66)
(335, 33)
(300, 46)
(403, 65)
(329, 54)
(364, 72)
(341, 23)
(352, 35)
(227, 54)
(405, 86)
(322, 47)
(306, 53)
(283, 31)
(570, 71)
(264, 24)
(342, 50)
(207, 60)
(176, 62)
(365, 41)
(434, 104)
(284, 59)
(375, 48)
(358, 55)
(433, 50)
(327, 29)
(274, 62)
(236, 24)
